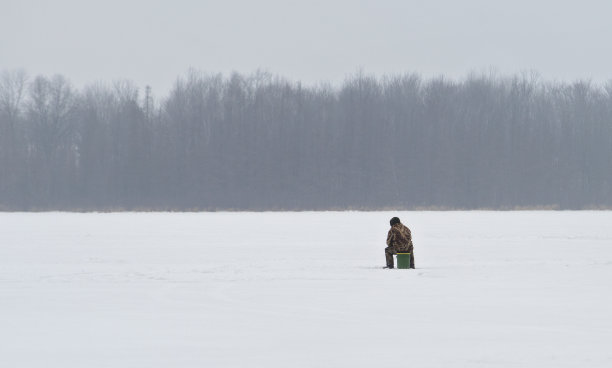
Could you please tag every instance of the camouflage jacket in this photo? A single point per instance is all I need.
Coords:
(400, 238)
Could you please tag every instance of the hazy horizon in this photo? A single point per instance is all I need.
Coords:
(153, 42)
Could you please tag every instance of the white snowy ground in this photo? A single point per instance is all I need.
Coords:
(171, 290)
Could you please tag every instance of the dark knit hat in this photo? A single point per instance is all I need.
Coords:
(394, 221)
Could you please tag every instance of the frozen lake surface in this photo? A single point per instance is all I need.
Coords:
(172, 290)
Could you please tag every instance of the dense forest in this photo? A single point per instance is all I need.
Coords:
(261, 142)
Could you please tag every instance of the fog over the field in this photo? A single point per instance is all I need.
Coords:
(153, 41)
(281, 105)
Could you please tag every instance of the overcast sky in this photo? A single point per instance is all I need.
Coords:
(153, 41)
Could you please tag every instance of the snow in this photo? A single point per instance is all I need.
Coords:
(491, 289)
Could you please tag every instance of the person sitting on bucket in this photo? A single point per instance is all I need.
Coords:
(399, 240)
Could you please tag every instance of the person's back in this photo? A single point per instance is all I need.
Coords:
(399, 240)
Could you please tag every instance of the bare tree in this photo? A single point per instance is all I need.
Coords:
(12, 87)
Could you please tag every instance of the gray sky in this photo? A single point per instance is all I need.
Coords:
(153, 41)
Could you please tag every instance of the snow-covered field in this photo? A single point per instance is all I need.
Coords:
(171, 290)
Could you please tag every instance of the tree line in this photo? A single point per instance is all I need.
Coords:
(262, 142)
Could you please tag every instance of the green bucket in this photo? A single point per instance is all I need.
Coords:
(403, 260)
